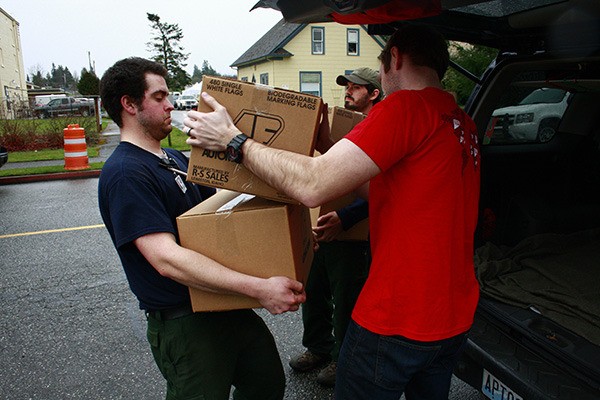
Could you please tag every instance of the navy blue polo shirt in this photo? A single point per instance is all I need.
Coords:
(138, 197)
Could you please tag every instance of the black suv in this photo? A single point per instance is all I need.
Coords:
(537, 328)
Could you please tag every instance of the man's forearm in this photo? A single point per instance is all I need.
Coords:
(291, 173)
(310, 180)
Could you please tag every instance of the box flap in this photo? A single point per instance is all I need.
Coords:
(229, 201)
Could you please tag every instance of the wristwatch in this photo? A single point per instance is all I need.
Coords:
(234, 148)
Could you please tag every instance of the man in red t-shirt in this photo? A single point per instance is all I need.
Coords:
(416, 157)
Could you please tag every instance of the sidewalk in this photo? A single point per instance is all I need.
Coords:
(110, 138)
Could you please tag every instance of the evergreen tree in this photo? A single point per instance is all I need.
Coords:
(205, 70)
(38, 80)
(61, 77)
(196, 75)
(166, 49)
(474, 59)
(89, 83)
(208, 70)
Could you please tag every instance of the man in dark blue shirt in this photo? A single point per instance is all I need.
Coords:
(141, 192)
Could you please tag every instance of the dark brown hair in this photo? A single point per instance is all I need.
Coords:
(424, 45)
(126, 77)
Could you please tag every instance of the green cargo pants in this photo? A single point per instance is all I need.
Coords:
(337, 275)
(203, 355)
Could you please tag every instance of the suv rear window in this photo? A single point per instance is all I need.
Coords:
(529, 111)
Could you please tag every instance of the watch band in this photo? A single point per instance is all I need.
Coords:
(234, 148)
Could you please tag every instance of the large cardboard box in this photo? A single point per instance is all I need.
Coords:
(341, 122)
(278, 118)
(248, 234)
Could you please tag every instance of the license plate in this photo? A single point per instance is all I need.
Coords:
(493, 388)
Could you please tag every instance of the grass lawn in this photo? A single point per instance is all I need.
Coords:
(45, 155)
(50, 169)
(178, 139)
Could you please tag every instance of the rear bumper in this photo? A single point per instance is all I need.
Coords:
(504, 355)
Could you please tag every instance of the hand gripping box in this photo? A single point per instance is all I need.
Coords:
(248, 234)
(277, 118)
(341, 122)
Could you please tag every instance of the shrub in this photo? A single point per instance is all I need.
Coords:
(28, 134)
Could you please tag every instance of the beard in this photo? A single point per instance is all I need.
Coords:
(350, 106)
(355, 105)
(154, 127)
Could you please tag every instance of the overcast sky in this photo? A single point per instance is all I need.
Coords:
(71, 32)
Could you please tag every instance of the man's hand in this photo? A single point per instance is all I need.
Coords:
(280, 294)
(329, 226)
(212, 130)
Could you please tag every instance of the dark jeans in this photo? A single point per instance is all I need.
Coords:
(380, 367)
(337, 275)
(203, 355)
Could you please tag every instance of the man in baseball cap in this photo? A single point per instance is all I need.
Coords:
(363, 89)
(340, 267)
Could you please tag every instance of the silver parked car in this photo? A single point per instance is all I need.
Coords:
(186, 102)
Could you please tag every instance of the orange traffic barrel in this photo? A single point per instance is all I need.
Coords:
(76, 156)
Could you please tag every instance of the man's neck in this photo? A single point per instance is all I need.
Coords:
(419, 78)
(365, 110)
(141, 140)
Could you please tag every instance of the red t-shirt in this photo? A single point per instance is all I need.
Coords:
(423, 211)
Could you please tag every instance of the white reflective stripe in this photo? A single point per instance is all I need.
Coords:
(79, 154)
(74, 141)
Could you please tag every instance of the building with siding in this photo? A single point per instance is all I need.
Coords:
(309, 57)
(13, 95)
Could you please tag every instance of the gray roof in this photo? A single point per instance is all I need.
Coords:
(270, 46)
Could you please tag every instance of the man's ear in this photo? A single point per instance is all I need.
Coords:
(129, 105)
(396, 58)
(374, 95)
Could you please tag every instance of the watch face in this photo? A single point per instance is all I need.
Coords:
(231, 153)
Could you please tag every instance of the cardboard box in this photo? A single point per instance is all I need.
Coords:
(278, 118)
(341, 122)
(248, 234)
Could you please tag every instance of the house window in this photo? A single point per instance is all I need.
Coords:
(264, 79)
(353, 42)
(310, 82)
(318, 40)
(244, 79)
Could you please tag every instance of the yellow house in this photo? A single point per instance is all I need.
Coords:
(13, 94)
(309, 57)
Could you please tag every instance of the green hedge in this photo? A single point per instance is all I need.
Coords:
(34, 134)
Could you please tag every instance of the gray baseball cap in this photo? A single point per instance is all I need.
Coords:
(361, 76)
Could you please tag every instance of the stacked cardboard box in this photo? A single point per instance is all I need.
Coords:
(278, 118)
(248, 234)
(261, 232)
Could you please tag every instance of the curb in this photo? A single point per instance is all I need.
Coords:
(9, 180)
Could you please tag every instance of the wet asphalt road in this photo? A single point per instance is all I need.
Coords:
(70, 327)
